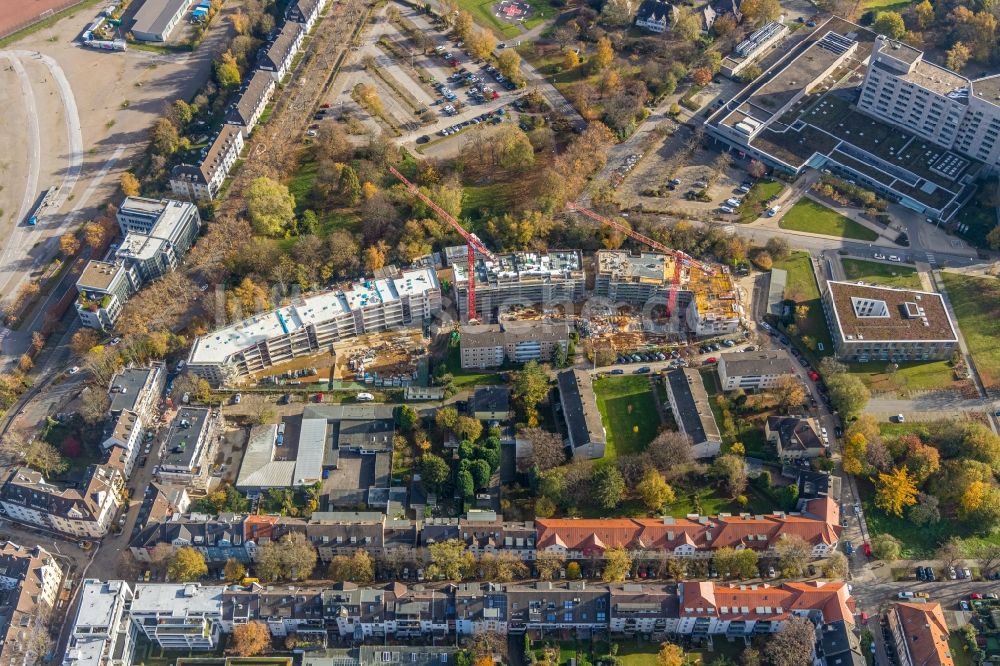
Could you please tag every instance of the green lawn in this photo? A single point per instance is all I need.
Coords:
(801, 288)
(628, 410)
(489, 198)
(753, 205)
(482, 13)
(977, 305)
(887, 5)
(748, 432)
(468, 378)
(815, 218)
(959, 651)
(707, 501)
(886, 275)
(913, 376)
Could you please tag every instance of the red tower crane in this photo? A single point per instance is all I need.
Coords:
(680, 258)
(473, 243)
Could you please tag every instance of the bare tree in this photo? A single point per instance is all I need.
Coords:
(547, 450)
(669, 450)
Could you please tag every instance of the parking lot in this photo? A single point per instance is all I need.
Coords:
(425, 95)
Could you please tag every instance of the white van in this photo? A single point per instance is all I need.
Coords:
(365, 397)
(773, 210)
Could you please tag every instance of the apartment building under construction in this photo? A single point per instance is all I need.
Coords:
(517, 280)
(315, 322)
(708, 304)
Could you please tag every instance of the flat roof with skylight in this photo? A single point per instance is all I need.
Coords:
(864, 312)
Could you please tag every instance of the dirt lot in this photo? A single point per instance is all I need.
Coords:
(24, 12)
(88, 113)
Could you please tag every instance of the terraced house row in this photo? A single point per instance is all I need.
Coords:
(335, 533)
(114, 614)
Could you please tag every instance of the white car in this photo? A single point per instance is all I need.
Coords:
(773, 210)
(365, 397)
(733, 201)
(726, 209)
(906, 595)
(893, 257)
(311, 133)
(237, 398)
(75, 369)
(879, 255)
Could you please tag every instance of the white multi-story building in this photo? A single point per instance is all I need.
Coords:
(517, 280)
(883, 324)
(103, 633)
(188, 448)
(315, 322)
(754, 370)
(29, 589)
(158, 233)
(305, 12)
(937, 104)
(278, 57)
(203, 182)
(181, 616)
(84, 512)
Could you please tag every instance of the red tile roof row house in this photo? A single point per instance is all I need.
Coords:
(818, 524)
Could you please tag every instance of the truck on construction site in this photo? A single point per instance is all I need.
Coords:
(46, 199)
(106, 44)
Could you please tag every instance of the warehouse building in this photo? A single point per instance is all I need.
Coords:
(156, 19)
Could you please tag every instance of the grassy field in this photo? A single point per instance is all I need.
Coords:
(749, 431)
(815, 218)
(976, 302)
(753, 204)
(887, 5)
(477, 199)
(629, 412)
(886, 275)
(801, 288)
(916, 376)
(482, 13)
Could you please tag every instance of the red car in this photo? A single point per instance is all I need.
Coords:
(813, 376)
(319, 397)
(975, 595)
(868, 550)
(710, 359)
(324, 105)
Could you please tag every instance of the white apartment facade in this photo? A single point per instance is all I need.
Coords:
(753, 370)
(103, 633)
(181, 616)
(315, 322)
(940, 105)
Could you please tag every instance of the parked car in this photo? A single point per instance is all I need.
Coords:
(618, 371)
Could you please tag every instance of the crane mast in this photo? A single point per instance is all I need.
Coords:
(473, 244)
(680, 258)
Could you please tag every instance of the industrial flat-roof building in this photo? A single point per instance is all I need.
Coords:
(517, 280)
(315, 322)
(754, 370)
(156, 19)
(708, 303)
(885, 324)
(587, 437)
(692, 411)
